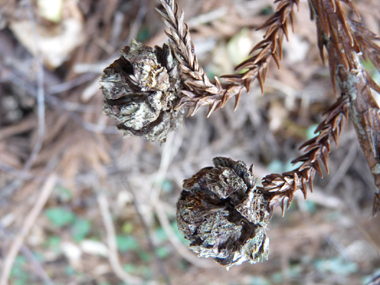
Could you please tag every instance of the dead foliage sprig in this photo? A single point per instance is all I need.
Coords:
(229, 188)
(199, 91)
(344, 41)
(281, 187)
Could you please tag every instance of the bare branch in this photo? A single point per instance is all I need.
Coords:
(27, 225)
(111, 242)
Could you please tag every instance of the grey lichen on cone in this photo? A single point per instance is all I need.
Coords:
(224, 215)
(141, 89)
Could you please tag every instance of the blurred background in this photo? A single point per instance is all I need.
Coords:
(91, 207)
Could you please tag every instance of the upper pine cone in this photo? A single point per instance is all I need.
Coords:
(141, 89)
(223, 214)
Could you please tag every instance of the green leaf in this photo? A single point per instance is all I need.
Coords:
(160, 235)
(54, 242)
(59, 216)
(145, 256)
(162, 252)
(126, 243)
(143, 35)
(336, 265)
(130, 268)
(310, 206)
(258, 281)
(80, 229)
(179, 234)
(64, 194)
(277, 277)
(167, 186)
(69, 270)
(18, 274)
(127, 228)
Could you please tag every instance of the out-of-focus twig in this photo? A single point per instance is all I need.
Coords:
(40, 112)
(27, 225)
(168, 152)
(111, 242)
(343, 168)
(99, 66)
(147, 232)
(375, 281)
(33, 260)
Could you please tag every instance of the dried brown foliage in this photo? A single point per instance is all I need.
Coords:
(345, 41)
(199, 91)
(282, 186)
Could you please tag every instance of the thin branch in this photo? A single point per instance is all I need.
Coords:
(32, 258)
(344, 42)
(111, 242)
(199, 91)
(147, 232)
(343, 168)
(338, 34)
(281, 187)
(40, 111)
(27, 225)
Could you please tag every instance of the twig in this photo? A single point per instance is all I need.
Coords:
(58, 88)
(111, 242)
(29, 255)
(19, 79)
(98, 67)
(198, 90)
(166, 157)
(281, 187)
(375, 281)
(69, 107)
(27, 225)
(137, 22)
(208, 17)
(15, 172)
(337, 34)
(147, 233)
(40, 112)
(342, 170)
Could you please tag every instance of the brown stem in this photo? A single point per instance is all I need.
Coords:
(281, 187)
(344, 41)
(199, 91)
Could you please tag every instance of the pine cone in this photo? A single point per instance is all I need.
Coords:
(223, 214)
(141, 89)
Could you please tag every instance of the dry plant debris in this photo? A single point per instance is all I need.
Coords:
(345, 41)
(111, 216)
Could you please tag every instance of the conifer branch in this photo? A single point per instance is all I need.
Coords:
(281, 187)
(344, 41)
(199, 91)
(221, 210)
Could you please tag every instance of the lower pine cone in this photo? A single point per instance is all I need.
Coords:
(223, 215)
